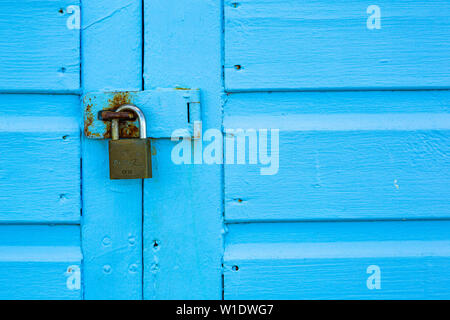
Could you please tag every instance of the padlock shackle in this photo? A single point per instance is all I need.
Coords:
(140, 116)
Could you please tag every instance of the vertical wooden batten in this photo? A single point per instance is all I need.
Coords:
(183, 203)
(112, 210)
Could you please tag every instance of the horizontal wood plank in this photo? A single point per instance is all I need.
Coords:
(292, 44)
(40, 262)
(336, 260)
(37, 49)
(40, 159)
(365, 159)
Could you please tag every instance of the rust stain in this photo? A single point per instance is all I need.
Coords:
(107, 134)
(119, 99)
(127, 129)
(89, 119)
(181, 88)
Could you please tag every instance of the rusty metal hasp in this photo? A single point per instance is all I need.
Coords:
(170, 112)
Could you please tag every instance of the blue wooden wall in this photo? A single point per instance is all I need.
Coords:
(359, 206)
(40, 200)
(299, 44)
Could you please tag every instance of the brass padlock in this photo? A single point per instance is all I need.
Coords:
(130, 158)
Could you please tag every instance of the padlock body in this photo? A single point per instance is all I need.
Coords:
(130, 159)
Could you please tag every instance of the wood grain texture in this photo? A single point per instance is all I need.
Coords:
(37, 49)
(112, 210)
(34, 262)
(291, 44)
(330, 260)
(374, 155)
(183, 204)
(40, 159)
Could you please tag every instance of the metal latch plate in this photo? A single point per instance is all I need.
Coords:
(167, 111)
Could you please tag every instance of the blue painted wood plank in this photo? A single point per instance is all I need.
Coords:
(291, 44)
(40, 159)
(370, 102)
(183, 204)
(112, 210)
(38, 51)
(364, 160)
(335, 231)
(338, 260)
(40, 262)
(346, 175)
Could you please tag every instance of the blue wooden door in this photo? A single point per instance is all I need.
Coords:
(66, 230)
(354, 202)
(344, 195)
(111, 51)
